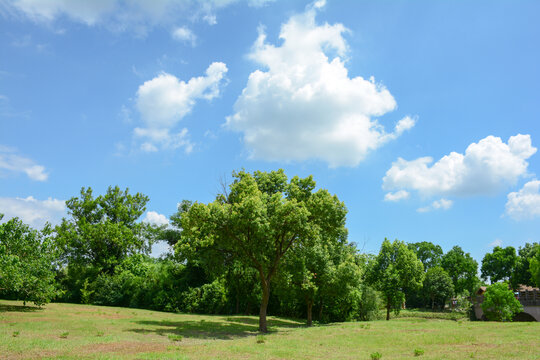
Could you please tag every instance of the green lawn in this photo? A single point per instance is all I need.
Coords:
(68, 331)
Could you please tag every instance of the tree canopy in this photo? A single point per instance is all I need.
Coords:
(462, 269)
(428, 253)
(258, 221)
(27, 262)
(393, 270)
(103, 231)
(499, 303)
(500, 264)
(438, 285)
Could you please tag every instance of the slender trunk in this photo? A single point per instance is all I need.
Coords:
(320, 311)
(388, 309)
(237, 303)
(264, 304)
(309, 312)
(432, 303)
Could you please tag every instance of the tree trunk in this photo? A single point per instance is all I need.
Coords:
(237, 303)
(264, 304)
(320, 311)
(309, 312)
(432, 303)
(388, 310)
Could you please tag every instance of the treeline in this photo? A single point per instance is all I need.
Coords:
(267, 244)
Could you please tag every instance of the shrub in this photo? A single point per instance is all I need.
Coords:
(376, 356)
(499, 303)
(418, 352)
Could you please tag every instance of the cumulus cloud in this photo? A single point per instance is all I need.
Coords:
(442, 204)
(486, 168)
(32, 211)
(165, 100)
(11, 162)
(302, 103)
(119, 15)
(525, 203)
(397, 196)
(155, 218)
(184, 34)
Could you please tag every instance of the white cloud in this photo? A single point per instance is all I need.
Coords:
(443, 204)
(10, 161)
(397, 196)
(525, 203)
(32, 211)
(496, 242)
(485, 168)
(155, 218)
(185, 35)
(165, 100)
(302, 103)
(119, 15)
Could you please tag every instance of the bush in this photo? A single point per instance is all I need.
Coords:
(499, 303)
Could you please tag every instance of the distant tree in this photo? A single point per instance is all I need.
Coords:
(103, 231)
(257, 222)
(535, 266)
(522, 273)
(27, 262)
(500, 264)
(462, 269)
(428, 253)
(438, 285)
(499, 303)
(172, 234)
(394, 269)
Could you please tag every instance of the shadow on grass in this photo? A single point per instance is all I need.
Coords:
(18, 308)
(234, 327)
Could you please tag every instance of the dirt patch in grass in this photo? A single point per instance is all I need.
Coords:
(126, 347)
(35, 354)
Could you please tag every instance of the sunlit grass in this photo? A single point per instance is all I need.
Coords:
(120, 333)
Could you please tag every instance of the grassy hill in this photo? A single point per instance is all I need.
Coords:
(68, 331)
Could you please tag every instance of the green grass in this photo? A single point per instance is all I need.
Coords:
(120, 333)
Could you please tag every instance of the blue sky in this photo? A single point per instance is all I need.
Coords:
(422, 116)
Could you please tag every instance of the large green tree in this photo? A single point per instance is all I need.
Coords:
(522, 273)
(462, 269)
(395, 269)
(103, 230)
(499, 264)
(259, 219)
(535, 266)
(428, 253)
(27, 262)
(438, 286)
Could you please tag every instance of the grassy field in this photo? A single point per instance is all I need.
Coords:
(67, 331)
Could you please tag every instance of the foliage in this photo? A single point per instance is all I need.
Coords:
(261, 218)
(428, 253)
(500, 264)
(104, 230)
(522, 273)
(462, 269)
(438, 286)
(535, 266)
(499, 303)
(395, 268)
(27, 262)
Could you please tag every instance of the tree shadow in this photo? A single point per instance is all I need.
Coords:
(18, 308)
(233, 327)
(271, 322)
(198, 329)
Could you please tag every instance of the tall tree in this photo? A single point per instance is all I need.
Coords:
(257, 222)
(438, 285)
(522, 273)
(534, 264)
(27, 262)
(462, 269)
(103, 231)
(393, 270)
(428, 253)
(500, 264)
